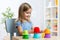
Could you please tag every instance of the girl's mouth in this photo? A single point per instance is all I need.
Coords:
(28, 16)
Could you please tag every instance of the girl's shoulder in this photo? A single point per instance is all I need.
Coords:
(17, 21)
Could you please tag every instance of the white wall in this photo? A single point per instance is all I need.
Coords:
(37, 12)
(37, 16)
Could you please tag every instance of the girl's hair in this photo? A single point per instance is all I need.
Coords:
(23, 7)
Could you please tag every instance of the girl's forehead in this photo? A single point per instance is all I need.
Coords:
(29, 10)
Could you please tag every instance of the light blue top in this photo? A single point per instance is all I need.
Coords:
(25, 25)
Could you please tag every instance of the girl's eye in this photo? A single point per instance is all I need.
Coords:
(28, 12)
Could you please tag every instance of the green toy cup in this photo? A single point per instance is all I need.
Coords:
(25, 32)
(25, 36)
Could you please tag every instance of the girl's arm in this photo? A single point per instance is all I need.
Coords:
(20, 30)
(31, 31)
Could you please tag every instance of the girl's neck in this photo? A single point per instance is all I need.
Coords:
(24, 20)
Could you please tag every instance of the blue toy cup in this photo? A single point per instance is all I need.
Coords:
(37, 35)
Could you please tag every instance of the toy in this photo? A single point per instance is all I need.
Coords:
(25, 34)
(37, 35)
(47, 36)
(36, 32)
(47, 33)
(55, 27)
(43, 34)
(49, 27)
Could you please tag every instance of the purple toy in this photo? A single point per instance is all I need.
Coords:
(47, 36)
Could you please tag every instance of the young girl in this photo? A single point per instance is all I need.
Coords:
(23, 22)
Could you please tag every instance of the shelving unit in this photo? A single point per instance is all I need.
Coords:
(51, 16)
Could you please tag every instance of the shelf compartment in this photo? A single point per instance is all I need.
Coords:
(54, 25)
(48, 24)
(48, 13)
(54, 13)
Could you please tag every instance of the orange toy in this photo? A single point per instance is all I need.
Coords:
(47, 31)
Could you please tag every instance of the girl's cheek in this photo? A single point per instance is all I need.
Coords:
(27, 15)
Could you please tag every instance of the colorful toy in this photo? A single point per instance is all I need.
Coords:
(25, 34)
(47, 33)
(37, 35)
(43, 34)
(36, 32)
(55, 27)
(47, 36)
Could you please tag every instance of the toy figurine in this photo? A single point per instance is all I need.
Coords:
(47, 33)
(37, 32)
(25, 34)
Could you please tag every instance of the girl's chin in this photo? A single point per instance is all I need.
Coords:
(27, 18)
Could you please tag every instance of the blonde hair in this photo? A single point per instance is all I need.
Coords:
(23, 7)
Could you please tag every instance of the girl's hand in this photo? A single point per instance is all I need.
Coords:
(31, 31)
(41, 31)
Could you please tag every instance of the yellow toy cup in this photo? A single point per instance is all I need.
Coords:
(43, 34)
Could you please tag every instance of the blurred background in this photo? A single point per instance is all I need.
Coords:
(37, 15)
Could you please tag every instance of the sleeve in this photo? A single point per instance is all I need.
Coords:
(31, 24)
(18, 24)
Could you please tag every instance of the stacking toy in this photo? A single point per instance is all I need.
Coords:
(47, 33)
(36, 32)
(36, 35)
(25, 34)
(43, 34)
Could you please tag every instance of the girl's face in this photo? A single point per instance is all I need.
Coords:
(27, 14)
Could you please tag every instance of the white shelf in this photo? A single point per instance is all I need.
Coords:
(54, 31)
(51, 7)
(51, 18)
(49, 10)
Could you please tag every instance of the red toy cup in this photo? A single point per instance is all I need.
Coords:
(36, 30)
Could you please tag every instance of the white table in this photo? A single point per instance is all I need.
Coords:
(20, 38)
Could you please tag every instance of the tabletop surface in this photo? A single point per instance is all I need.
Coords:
(20, 38)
